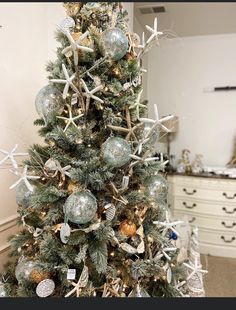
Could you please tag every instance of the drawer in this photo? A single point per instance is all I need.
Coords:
(217, 238)
(214, 223)
(215, 209)
(222, 195)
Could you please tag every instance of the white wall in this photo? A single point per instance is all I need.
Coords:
(178, 72)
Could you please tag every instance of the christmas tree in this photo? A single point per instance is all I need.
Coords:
(92, 200)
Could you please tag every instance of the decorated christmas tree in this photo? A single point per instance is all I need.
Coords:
(92, 199)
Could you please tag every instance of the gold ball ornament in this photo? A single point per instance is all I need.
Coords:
(128, 228)
(72, 8)
(72, 187)
(39, 275)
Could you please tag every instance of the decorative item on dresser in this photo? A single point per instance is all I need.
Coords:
(210, 204)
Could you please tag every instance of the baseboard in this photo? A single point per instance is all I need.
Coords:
(5, 247)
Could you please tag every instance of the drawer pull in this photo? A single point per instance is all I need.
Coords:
(228, 226)
(189, 207)
(192, 219)
(189, 193)
(227, 241)
(229, 212)
(229, 197)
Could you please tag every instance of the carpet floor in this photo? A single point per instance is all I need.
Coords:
(220, 281)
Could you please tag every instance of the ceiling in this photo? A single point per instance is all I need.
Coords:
(191, 19)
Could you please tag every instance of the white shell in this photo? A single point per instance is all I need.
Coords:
(169, 275)
(141, 247)
(128, 248)
(83, 279)
(67, 23)
(110, 211)
(65, 232)
(45, 288)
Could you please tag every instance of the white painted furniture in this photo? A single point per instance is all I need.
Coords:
(210, 204)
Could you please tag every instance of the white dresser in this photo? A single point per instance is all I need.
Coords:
(210, 204)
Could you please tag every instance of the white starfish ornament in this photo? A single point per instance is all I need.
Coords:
(196, 268)
(90, 94)
(10, 155)
(24, 177)
(76, 45)
(68, 82)
(136, 105)
(71, 119)
(157, 119)
(168, 225)
(154, 32)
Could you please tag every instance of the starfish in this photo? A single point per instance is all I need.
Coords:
(90, 94)
(157, 120)
(178, 286)
(163, 252)
(70, 120)
(68, 82)
(196, 268)
(56, 166)
(24, 177)
(129, 130)
(76, 45)
(136, 105)
(11, 155)
(154, 32)
(168, 225)
(83, 280)
(141, 160)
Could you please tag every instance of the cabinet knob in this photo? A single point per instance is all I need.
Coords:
(189, 207)
(229, 197)
(228, 226)
(229, 212)
(227, 241)
(189, 193)
(192, 219)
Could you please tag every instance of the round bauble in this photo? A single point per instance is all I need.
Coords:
(144, 130)
(51, 167)
(156, 187)
(80, 207)
(23, 270)
(37, 276)
(67, 24)
(114, 43)
(116, 151)
(45, 288)
(128, 228)
(2, 290)
(23, 194)
(173, 235)
(49, 103)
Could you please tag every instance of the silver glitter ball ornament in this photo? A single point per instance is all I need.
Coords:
(156, 187)
(80, 207)
(23, 194)
(114, 43)
(143, 132)
(49, 103)
(45, 288)
(2, 290)
(116, 151)
(23, 270)
(67, 24)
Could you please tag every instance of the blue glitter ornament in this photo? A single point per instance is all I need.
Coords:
(173, 236)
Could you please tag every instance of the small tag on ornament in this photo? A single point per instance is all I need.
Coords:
(71, 273)
(125, 182)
